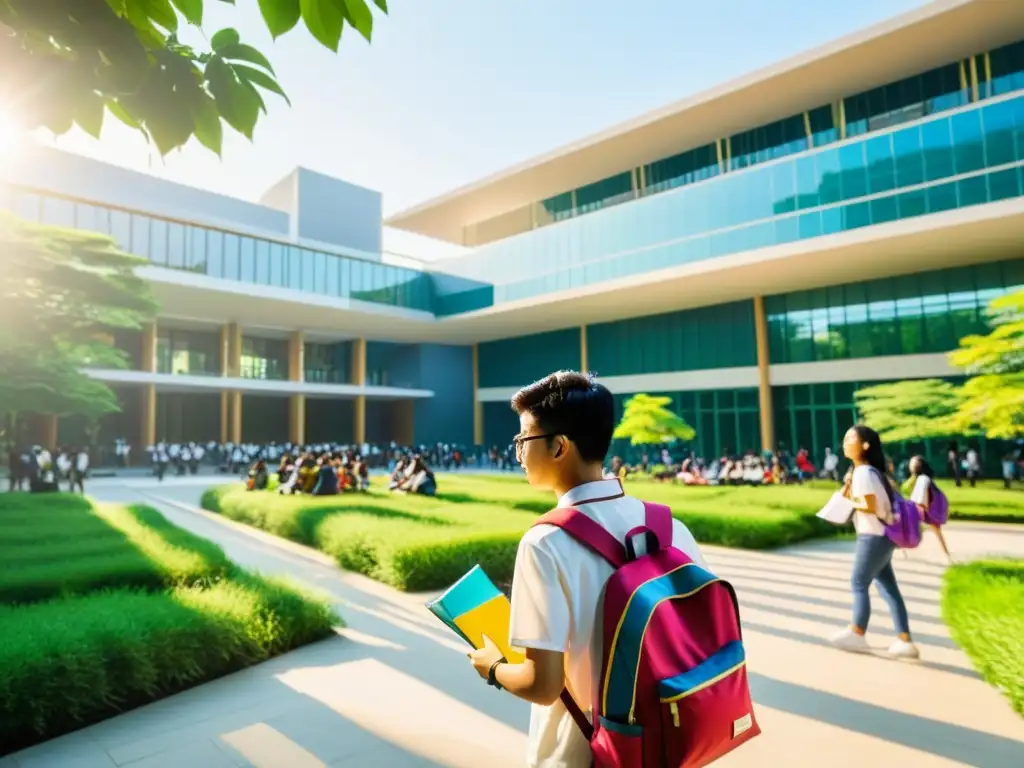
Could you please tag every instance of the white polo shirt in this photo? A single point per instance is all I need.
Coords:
(557, 589)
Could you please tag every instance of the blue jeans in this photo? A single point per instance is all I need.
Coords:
(873, 562)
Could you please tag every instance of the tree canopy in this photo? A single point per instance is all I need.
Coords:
(66, 62)
(989, 402)
(63, 292)
(647, 420)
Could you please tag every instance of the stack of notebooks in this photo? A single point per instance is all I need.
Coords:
(473, 607)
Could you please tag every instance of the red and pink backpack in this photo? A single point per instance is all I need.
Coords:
(673, 689)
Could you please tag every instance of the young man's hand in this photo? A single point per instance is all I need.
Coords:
(483, 658)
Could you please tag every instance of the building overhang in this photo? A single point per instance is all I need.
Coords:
(169, 382)
(971, 235)
(935, 34)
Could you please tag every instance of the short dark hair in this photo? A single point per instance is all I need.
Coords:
(573, 404)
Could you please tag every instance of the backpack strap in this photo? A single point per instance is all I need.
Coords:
(577, 714)
(587, 532)
(659, 521)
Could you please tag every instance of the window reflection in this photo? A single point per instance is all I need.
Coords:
(887, 317)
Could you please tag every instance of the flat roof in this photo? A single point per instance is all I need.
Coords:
(932, 35)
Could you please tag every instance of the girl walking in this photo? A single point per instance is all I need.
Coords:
(922, 483)
(869, 490)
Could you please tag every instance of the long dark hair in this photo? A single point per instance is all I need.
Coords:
(875, 454)
(923, 467)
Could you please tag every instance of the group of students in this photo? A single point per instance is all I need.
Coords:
(752, 468)
(38, 471)
(326, 474)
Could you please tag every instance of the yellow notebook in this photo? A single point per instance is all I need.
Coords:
(473, 607)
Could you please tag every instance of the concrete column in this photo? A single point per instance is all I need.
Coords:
(224, 406)
(147, 434)
(297, 403)
(359, 379)
(478, 407)
(584, 356)
(147, 429)
(235, 398)
(231, 367)
(764, 376)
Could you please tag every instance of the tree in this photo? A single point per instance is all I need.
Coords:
(990, 402)
(65, 62)
(647, 420)
(63, 292)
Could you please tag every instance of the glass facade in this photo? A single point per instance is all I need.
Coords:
(519, 361)
(726, 422)
(940, 164)
(192, 353)
(816, 416)
(938, 90)
(887, 317)
(694, 339)
(230, 256)
(264, 359)
(328, 363)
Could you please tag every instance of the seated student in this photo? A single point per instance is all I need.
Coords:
(362, 475)
(422, 478)
(326, 478)
(566, 422)
(398, 475)
(258, 477)
(307, 473)
(285, 469)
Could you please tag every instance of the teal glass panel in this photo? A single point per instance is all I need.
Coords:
(937, 142)
(519, 361)
(968, 146)
(881, 164)
(1003, 185)
(909, 314)
(998, 123)
(907, 147)
(1007, 64)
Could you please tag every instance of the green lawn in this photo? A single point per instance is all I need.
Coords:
(983, 603)
(418, 543)
(104, 608)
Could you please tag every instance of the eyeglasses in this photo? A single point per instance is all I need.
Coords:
(518, 440)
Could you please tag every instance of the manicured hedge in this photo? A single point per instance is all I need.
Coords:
(418, 543)
(73, 661)
(104, 608)
(983, 603)
(59, 544)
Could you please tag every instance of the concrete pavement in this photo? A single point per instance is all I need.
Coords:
(395, 688)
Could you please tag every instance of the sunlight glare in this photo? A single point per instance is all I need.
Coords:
(10, 132)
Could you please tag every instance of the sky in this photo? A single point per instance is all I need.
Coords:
(450, 91)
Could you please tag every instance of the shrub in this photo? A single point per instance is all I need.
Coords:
(72, 661)
(983, 603)
(57, 544)
(422, 543)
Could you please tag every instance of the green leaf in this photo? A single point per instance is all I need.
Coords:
(382, 4)
(209, 130)
(324, 19)
(262, 79)
(243, 52)
(359, 16)
(162, 12)
(118, 111)
(192, 10)
(280, 15)
(89, 113)
(226, 36)
(237, 102)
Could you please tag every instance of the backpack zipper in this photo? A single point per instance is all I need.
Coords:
(674, 708)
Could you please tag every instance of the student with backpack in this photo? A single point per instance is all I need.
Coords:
(633, 649)
(873, 499)
(930, 500)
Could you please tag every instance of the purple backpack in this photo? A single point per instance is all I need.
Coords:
(938, 508)
(905, 529)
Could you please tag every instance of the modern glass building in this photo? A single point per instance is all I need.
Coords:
(758, 252)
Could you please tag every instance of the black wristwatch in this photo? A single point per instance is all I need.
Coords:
(491, 678)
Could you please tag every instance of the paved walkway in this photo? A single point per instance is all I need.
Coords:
(395, 689)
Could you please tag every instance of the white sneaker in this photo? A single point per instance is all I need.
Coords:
(848, 640)
(902, 649)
